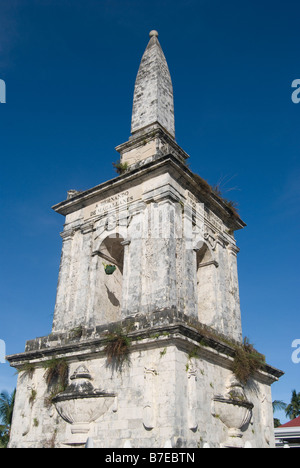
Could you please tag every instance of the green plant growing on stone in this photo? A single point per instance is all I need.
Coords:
(76, 332)
(247, 361)
(155, 336)
(32, 397)
(193, 354)
(35, 422)
(217, 192)
(117, 349)
(50, 397)
(56, 375)
(120, 168)
(230, 204)
(202, 183)
(27, 370)
(109, 269)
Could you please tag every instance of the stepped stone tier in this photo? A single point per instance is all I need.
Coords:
(146, 349)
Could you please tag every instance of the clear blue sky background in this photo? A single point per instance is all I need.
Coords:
(70, 67)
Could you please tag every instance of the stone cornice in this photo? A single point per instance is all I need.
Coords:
(152, 132)
(170, 325)
(167, 163)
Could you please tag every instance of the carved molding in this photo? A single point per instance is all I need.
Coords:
(212, 262)
(87, 228)
(67, 234)
(233, 249)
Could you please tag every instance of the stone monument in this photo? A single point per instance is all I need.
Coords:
(146, 349)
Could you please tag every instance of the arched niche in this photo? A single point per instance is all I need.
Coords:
(206, 283)
(112, 251)
(109, 287)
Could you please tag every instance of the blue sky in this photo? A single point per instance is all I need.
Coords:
(70, 67)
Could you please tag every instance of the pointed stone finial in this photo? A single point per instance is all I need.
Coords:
(153, 93)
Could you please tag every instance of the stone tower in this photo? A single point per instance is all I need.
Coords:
(146, 349)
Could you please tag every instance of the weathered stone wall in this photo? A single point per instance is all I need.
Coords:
(164, 394)
(161, 228)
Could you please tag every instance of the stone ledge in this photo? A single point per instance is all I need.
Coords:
(168, 162)
(170, 325)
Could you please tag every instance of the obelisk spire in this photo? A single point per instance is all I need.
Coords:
(153, 93)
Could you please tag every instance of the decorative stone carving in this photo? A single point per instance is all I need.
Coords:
(149, 416)
(81, 404)
(210, 238)
(234, 411)
(111, 222)
(192, 397)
